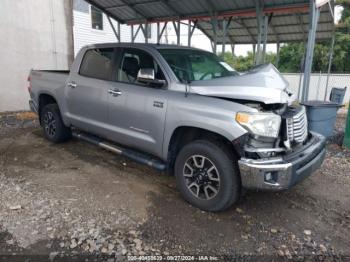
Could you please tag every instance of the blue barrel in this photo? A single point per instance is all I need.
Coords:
(321, 116)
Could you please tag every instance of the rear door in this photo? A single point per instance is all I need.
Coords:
(87, 90)
(137, 112)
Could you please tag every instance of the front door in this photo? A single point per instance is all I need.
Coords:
(137, 110)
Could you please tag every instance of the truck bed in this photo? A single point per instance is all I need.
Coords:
(47, 82)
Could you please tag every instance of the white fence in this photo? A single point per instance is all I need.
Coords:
(318, 84)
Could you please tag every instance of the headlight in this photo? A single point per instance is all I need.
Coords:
(261, 124)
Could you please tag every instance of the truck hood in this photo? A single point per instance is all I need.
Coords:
(262, 84)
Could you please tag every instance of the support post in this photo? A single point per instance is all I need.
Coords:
(233, 51)
(158, 33)
(132, 33)
(259, 17)
(189, 35)
(302, 66)
(214, 23)
(161, 32)
(224, 32)
(145, 31)
(278, 54)
(314, 15)
(266, 21)
(254, 53)
(177, 31)
(329, 66)
(117, 34)
(191, 31)
(133, 36)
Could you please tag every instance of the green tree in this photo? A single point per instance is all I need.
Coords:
(244, 63)
(291, 54)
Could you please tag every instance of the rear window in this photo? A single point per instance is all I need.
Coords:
(97, 63)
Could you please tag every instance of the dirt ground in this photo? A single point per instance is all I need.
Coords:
(68, 200)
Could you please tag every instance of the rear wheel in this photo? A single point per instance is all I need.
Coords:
(53, 126)
(207, 175)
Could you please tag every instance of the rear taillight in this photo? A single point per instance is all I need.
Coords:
(29, 84)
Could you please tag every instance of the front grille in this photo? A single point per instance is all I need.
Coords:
(297, 126)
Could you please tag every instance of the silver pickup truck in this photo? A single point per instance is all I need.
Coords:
(185, 111)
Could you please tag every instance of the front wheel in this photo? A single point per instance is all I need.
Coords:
(53, 126)
(207, 175)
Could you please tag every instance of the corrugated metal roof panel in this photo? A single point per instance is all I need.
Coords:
(285, 26)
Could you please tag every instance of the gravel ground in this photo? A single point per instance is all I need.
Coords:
(76, 201)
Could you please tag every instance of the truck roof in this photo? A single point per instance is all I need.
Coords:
(156, 46)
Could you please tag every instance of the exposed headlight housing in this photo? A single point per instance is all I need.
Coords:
(260, 124)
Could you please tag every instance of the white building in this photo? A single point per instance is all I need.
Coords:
(34, 34)
(92, 26)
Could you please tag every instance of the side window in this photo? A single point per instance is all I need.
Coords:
(133, 60)
(97, 63)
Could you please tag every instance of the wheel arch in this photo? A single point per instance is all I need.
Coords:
(183, 135)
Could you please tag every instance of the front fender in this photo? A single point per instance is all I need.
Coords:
(208, 113)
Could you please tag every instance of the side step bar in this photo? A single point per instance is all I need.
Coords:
(133, 155)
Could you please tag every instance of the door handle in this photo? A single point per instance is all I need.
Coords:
(115, 92)
(72, 85)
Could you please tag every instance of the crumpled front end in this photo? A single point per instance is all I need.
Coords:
(262, 84)
(279, 163)
(283, 171)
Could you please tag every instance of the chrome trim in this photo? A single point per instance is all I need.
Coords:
(262, 150)
(115, 92)
(72, 85)
(284, 173)
(297, 126)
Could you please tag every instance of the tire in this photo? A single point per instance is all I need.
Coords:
(52, 124)
(198, 186)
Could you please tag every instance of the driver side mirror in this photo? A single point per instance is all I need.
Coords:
(147, 76)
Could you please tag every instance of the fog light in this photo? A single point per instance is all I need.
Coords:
(268, 176)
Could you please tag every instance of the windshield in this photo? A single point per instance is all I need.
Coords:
(193, 65)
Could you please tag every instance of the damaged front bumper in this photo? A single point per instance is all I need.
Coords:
(279, 173)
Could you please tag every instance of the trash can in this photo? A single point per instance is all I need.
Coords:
(321, 116)
(346, 142)
(337, 95)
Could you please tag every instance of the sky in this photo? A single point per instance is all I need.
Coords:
(199, 40)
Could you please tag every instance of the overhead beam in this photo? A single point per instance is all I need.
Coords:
(237, 42)
(206, 17)
(293, 8)
(282, 34)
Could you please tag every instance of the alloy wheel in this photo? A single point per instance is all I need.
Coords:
(50, 124)
(202, 177)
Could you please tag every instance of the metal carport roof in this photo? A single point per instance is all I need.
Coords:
(288, 19)
(256, 22)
